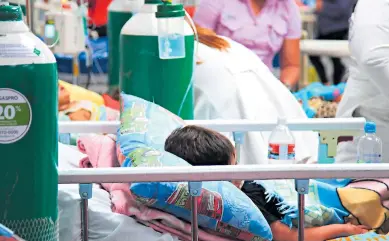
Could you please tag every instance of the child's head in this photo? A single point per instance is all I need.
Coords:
(200, 146)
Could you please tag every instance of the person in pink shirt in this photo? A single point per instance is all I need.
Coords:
(264, 26)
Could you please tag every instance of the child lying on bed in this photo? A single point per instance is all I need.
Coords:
(82, 109)
(203, 147)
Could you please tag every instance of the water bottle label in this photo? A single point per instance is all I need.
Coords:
(369, 158)
(281, 152)
(171, 46)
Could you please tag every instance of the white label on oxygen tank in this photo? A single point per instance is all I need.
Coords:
(15, 116)
(17, 50)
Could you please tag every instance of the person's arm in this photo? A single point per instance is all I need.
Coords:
(281, 232)
(368, 42)
(290, 62)
(290, 51)
(207, 13)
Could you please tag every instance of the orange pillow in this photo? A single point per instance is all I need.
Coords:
(110, 102)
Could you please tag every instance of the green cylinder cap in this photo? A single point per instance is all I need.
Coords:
(10, 13)
(153, 2)
(170, 11)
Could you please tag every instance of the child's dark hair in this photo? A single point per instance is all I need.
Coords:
(200, 146)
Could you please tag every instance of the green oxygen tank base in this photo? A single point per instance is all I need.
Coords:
(147, 76)
(29, 181)
(28, 131)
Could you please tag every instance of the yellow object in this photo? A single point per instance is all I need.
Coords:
(76, 70)
(94, 109)
(331, 139)
(364, 204)
(312, 75)
(78, 93)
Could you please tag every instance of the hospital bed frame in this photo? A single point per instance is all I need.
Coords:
(195, 175)
(328, 48)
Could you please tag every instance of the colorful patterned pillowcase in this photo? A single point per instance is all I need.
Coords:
(222, 207)
(143, 124)
(370, 236)
(316, 214)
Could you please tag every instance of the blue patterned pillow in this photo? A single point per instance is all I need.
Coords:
(144, 123)
(223, 207)
(370, 236)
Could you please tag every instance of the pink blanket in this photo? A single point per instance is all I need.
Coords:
(101, 152)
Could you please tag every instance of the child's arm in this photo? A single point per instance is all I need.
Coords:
(281, 232)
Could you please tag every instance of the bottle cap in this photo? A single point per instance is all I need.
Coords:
(170, 11)
(370, 127)
(10, 13)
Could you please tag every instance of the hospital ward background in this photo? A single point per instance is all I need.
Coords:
(194, 120)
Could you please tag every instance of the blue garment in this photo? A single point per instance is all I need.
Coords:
(334, 16)
(100, 58)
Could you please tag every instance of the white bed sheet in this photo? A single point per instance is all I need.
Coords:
(104, 225)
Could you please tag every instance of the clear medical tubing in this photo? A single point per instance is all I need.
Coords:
(28, 131)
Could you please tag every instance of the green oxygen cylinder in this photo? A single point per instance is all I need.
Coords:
(28, 130)
(21, 3)
(145, 72)
(119, 12)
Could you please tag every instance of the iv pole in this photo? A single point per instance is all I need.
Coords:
(29, 15)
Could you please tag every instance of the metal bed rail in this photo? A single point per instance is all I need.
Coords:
(195, 175)
(321, 124)
(331, 48)
(219, 173)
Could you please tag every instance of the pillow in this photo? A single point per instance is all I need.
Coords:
(363, 237)
(223, 207)
(110, 102)
(144, 124)
(78, 93)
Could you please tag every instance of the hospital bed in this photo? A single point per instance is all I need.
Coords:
(332, 48)
(104, 224)
(329, 131)
(328, 48)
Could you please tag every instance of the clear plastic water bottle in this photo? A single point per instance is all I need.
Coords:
(281, 144)
(369, 149)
